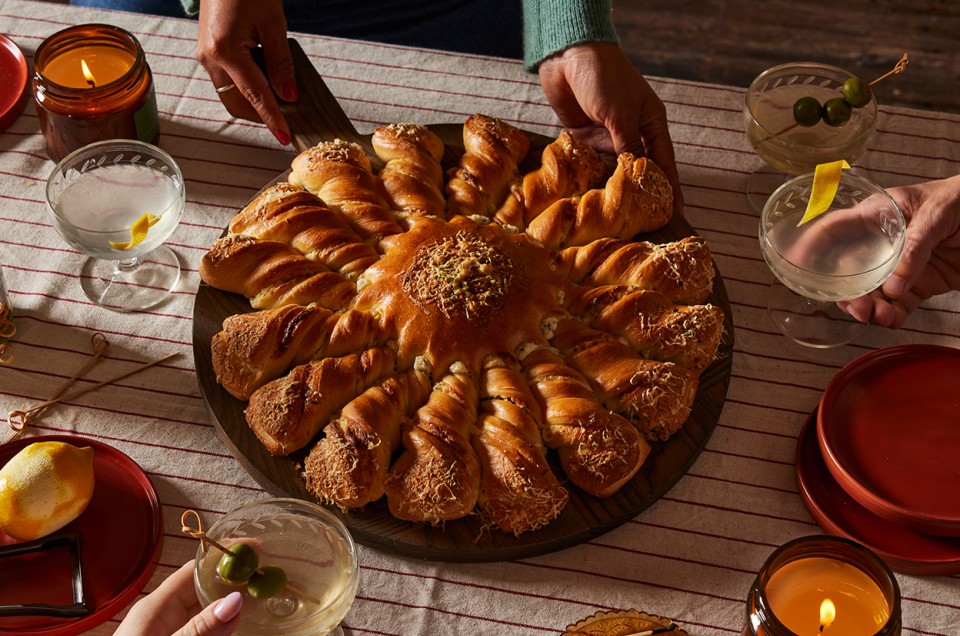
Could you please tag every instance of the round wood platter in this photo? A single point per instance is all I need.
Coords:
(463, 540)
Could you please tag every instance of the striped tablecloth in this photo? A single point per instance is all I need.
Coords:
(691, 556)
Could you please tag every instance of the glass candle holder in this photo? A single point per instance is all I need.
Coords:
(823, 586)
(91, 82)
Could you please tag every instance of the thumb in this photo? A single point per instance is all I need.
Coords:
(920, 241)
(217, 619)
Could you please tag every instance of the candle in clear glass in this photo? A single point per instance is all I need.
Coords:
(92, 82)
(786, 597)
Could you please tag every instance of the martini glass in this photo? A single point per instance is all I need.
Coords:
(844, 253)
(100, 196)
(310, 544)
(787, 148)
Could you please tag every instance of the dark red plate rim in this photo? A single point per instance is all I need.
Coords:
(852, 462)
(904, 550)
(13, 81)
(107, 529)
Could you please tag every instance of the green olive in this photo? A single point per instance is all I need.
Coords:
(836, 111)
(807, 111)
(238, 565)
(268, 584)
(857, 92)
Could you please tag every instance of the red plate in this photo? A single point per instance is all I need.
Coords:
(13, 82)
(122, 530)
(889, 430)
(904, 550)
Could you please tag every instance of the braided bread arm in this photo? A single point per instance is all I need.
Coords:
(681, 270)
(599, 450)
(654, 327)
(340, 174)
(349, 465)
(289, 214)
(257, 347)
(656, 397)
(488, 167)
(411, 176)
(636, 198)
(518, 491)
(272, 274)
(437, 477)
(286, 413)
(567, 169)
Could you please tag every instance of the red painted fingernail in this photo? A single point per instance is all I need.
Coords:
(282, 136)
(290, 92)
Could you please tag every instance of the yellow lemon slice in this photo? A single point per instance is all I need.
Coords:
(43, 488)
(138, 232)
(826, 180)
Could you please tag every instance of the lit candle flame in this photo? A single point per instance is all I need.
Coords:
(91, 80)
(828, 613)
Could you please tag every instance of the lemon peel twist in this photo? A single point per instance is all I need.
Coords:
(138, 232)
(826, 180)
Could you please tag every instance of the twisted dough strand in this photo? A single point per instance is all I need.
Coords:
(349, 465)
(599, 450)
(518, 491)
(437, 477)
(487, 168)
(289, 214)
(411, 176)
(636, 198)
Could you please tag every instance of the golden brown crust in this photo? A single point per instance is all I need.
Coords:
(442, 358)
(340, 173)
(599, 450)
(518, 491)
(680, 270)
(636, 198)
(257, 347)
(487, 169)
(288, 412)
(447, 289)
(654, 327)
(289, 214)
(656, 397)
(411, 176)
(567, 169)
(272, 274)
(437, 476)
(348, 466)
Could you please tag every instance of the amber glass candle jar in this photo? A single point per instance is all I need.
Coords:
(91, 82)
(823, 586)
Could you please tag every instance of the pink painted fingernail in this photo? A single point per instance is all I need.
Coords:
(290, 92)
(228, 607)
(282, 136)
(894, 287)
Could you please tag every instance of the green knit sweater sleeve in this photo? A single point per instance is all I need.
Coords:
(550, 26)
(192, 7)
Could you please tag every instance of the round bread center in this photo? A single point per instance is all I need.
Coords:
(462, 277)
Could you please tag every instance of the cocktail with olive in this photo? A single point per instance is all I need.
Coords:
(294, 562)
(802, 114)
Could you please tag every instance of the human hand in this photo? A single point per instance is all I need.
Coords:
(228, 31)
(604, 101)
(173, 609)
(930, 263)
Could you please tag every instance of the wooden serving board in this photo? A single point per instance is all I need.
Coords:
(317, 117)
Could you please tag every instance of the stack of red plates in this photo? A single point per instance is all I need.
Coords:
(879, 462)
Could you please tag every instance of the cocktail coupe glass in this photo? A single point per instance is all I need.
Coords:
(846, 252)
(309, 543)
(99, 196)
(787, 148)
